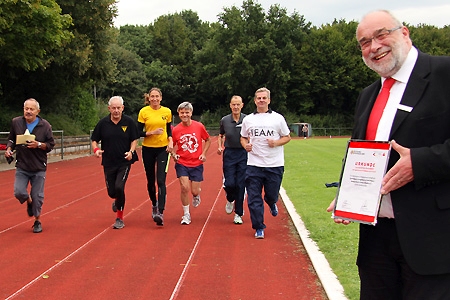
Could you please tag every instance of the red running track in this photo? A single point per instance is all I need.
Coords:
(79, 256)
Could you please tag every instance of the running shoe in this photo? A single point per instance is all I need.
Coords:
(30, 209)
(238, 219)
(274, 210)
(186, 219)
(259, 233)
(229, 207)
(159, 219)
(114, 207)
(118, 224)
(196, 201)
(154, 211)
(37, 227)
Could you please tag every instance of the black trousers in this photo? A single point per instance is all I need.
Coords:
(234, 167)
(385, 274)
(115, 178)
(155, 163)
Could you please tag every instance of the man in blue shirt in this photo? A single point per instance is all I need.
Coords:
(31, 158)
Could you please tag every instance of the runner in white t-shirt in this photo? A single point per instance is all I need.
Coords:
(263, 135)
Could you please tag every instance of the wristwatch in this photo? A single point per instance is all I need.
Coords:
(39, 144)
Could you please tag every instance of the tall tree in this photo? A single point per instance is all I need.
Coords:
(29, 31)
(329, 71)
(176, 38)
(139, 40)
(430, 39)
(81, 62)
(169, 79)
(88, 55)
(129, 81)
(249, 49)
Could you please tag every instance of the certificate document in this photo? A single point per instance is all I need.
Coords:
(23, 138)
(358, 197)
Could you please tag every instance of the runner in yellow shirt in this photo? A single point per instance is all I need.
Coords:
(155, 125)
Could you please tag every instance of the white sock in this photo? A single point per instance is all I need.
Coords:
(186, 209)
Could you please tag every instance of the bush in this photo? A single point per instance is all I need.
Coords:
(83, 110)
(58, 122)
(5, 119)
(65, 123)
(212, 119)
(327, 121)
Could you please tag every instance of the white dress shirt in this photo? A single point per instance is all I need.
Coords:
(387, 118)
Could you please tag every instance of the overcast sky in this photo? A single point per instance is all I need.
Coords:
(318, 12)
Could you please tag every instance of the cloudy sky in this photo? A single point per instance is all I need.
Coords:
(318, 12)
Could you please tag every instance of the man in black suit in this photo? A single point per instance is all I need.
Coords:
(407, 254)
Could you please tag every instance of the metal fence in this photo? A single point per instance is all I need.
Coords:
(63, 144)
(338, 131)
(75, 144)
(314, 131)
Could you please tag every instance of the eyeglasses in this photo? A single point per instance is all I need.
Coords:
(379, 36)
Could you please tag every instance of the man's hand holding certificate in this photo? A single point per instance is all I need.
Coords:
(23, 139)
(358, 197)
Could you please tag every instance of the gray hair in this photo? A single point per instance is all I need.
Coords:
(185, 105)
(263, 89)
(396, 21)
(115, 98)
(236, 97)
(35, 101)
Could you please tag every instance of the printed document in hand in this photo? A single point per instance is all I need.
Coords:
(23, 138)
(358, 197)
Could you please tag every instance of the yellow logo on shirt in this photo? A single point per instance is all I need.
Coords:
(124, 128)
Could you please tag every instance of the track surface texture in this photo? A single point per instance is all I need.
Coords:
(79, 256)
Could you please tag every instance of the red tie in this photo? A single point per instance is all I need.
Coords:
(378, 108)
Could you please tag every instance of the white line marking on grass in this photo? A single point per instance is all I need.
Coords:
(330, 283)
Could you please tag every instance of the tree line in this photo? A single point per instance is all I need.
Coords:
(69, 56)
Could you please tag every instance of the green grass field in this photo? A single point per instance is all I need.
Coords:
(309, 164)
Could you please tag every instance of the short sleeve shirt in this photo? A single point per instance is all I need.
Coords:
(231, 130)
(258, 128)
(152, 120)
(115, 139)
(189, 142)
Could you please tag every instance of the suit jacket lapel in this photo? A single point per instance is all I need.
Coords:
(414, 90)
(363, 113)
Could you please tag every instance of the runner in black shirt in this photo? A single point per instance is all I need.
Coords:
(118, 135)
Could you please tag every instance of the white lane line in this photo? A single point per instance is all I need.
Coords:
(330, 283)
(75, 251)
(194, 250)
(69, 203)
(53, 210)
(56, 265)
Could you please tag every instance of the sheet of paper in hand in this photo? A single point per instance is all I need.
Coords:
(24, 138)
(358, 197)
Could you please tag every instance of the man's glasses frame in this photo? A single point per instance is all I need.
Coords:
(379, 36)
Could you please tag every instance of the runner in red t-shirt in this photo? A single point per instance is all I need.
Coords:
(188, 137)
